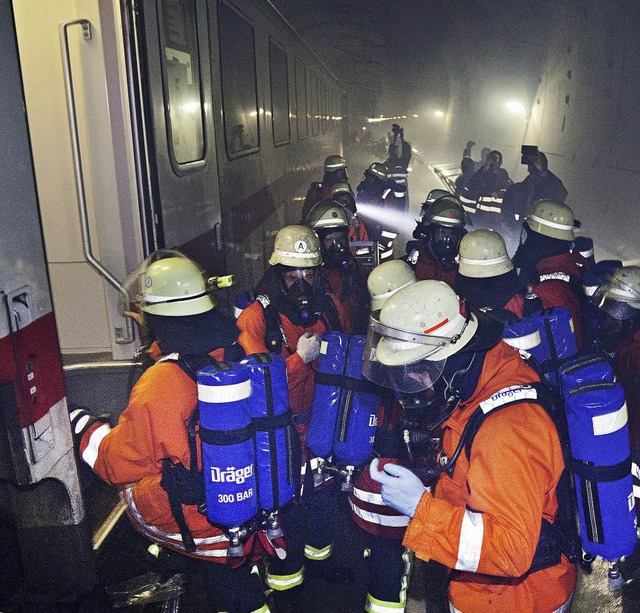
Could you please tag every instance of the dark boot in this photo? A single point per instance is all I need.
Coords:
(286, 601)
(330, 571)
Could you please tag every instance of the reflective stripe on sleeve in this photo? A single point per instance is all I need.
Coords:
(90, 454)
(470, 547)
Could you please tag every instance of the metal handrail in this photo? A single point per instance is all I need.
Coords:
(128, 335)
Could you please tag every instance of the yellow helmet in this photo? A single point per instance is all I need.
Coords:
(168, 283)
(386, 279)
(296, 246)
(483, 254)
(553, 219)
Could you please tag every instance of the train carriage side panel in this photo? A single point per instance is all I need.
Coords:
(39, 485)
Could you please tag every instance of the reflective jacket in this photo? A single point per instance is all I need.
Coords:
(152, 428)
(558, 276)
(484, 521)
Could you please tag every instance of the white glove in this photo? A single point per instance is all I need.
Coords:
(401, 489)
(308, 347)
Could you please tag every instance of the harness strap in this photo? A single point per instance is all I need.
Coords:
(344, 382)
(553, 540)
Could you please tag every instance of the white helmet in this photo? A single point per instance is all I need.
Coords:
(619, 294)
(168, 283)
(414, 333)
(296, 246)
(483, 254)
(553, 219)
(386, 279)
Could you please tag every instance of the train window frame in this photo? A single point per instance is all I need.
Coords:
(232, 155)
(182, 167)
(315, 109)
(301, 88)
(279, 143)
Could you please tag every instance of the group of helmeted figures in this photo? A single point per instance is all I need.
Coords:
(483, 516)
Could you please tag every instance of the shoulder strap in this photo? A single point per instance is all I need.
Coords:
(535, 393)
(274, 335)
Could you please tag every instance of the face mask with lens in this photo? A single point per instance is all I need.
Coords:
(444, 242)
(300, 296)
(335, 252)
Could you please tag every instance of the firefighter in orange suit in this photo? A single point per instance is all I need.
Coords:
(291, 311)
(150, 440)
(497, 494)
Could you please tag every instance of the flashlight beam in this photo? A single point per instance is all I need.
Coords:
(402, 223)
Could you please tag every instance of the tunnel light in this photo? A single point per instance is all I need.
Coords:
(416, 116)
(439, 113)
(514, 106)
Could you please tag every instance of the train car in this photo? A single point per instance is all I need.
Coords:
(134, 125)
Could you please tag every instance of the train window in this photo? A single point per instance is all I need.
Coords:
(301, 100)
(279, 70)
(315, 110)
(181, 70)
(239, 91)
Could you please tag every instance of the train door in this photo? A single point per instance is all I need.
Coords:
(72, 61)
(44, 539)
(171, 76)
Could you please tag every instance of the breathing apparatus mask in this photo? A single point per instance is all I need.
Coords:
(443, 242)
(298, 286)
(335, 247)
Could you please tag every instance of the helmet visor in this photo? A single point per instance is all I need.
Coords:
(400, 360)
(616, 298)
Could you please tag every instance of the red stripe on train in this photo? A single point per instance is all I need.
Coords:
(31, 360)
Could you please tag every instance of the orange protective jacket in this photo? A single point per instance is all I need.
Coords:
(484, 521)
(253, 327)
(154, 427)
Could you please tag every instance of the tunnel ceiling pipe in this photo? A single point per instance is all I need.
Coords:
(127, 336)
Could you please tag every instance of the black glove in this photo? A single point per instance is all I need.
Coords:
(470, 144)
(81, 420)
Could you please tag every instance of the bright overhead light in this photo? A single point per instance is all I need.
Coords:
(514, 106)
(439, 113)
